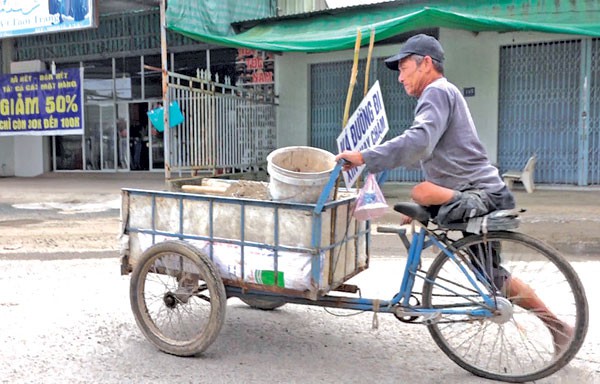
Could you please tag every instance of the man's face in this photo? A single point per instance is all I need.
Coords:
(411, 76)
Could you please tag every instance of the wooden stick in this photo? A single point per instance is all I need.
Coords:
(204, 189)
(352, 78)
(344, 122)
(367, 70)
(349, 97)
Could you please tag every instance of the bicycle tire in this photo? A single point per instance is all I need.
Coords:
(177, 298)
(519, 347)
(264, 304)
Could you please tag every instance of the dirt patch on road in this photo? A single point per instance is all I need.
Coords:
(68, 235)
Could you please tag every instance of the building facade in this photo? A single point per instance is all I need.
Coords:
(529, 92)
(121, 62)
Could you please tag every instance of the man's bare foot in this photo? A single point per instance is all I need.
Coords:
(405, 219)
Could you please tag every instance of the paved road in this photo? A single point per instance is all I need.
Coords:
(69, 321)
(65, 315)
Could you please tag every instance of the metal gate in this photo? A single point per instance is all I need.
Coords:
(593, 118)
(227, 129)
(329, 86)
(548, 105)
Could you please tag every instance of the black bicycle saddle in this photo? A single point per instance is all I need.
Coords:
(413, 210)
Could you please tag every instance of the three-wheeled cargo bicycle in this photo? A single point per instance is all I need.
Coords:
(188, 253)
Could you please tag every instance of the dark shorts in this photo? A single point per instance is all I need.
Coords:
(471, 203)
(488, 264)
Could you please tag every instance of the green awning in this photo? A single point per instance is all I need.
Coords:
(336, 29)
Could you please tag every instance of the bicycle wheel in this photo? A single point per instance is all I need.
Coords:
(177, 298)
(518, 343)
(265, 304)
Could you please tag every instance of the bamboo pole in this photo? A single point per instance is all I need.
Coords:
(368, 68)
(352, 78)
(353, 75)
(165, 90)
(332, 259)
(365, 91)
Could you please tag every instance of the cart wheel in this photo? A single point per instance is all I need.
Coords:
(177, 298)
(266, 304)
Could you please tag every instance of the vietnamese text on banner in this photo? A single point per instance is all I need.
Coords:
(42, 103)
(366, 127)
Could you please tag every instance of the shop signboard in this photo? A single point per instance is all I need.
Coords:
(255, 69)
(42, 103)
(28, 17)
(366, 128)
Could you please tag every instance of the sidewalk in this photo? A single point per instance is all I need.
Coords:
(546, 199)
(566, 201)
(568, 218)
(64, 187)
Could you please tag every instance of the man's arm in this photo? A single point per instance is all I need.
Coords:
(417, 142)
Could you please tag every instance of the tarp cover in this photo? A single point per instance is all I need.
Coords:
(336, 29)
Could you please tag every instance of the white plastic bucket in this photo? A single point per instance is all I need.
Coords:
(299, 174)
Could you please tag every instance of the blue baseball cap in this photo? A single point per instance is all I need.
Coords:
(422, 45)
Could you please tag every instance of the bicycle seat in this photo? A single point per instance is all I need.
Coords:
(414, 211)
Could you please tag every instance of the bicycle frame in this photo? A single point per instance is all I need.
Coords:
(421, 239)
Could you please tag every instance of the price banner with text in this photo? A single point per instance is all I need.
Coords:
(42, 103)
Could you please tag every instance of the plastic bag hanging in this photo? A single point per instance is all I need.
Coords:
(370, 203)
(156, 116)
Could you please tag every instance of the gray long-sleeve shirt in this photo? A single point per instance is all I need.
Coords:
(443, 139)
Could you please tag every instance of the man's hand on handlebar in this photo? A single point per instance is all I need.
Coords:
(351, 159)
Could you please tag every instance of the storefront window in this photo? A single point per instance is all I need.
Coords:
(152, 78)
(100, 137)
(222, 63)
(128, 78)
(98, 80)
(124, 145)
(68, 152)
(118, 93)
(188, 63)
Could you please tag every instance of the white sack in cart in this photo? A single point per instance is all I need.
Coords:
(294, 268)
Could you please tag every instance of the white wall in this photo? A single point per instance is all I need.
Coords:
(31, 153)
(472, 60)
(7, 156)
(24, 156)
(7, 153)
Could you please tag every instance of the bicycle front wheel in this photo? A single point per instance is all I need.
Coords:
(540, 313)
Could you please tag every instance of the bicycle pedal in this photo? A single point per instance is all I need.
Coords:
(432, 318)
(427, 317)
(348, 288)
(389, 229)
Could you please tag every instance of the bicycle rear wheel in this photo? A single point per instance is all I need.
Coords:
(517, 344)
(178, 298)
